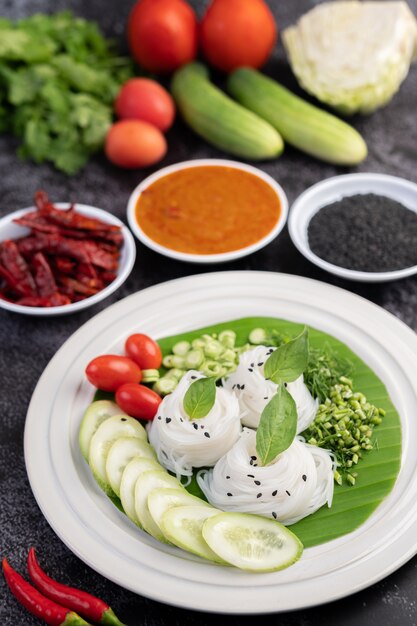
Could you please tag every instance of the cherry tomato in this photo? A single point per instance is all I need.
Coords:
(133, 143)
(145, 99)
(109, 371)
(144, 351)
(138, 401)
(162, 34)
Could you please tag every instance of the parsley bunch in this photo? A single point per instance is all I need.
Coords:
(58, 80)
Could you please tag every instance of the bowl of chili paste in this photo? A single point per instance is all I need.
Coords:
(60, 258)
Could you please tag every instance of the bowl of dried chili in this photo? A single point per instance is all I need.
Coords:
(61, 258)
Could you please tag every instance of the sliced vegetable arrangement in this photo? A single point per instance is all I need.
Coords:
(66, 258)
(264, 471)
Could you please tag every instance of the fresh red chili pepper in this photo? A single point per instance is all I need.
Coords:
(91, 607)
(50, 612)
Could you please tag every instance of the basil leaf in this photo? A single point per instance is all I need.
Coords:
(200, 398)
(277, 426)
(289, 360)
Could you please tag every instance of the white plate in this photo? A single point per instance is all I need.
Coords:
(206, 258)
(107, 541)
(333, 189)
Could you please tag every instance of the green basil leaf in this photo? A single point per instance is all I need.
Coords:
(200, 398)
(277, 426)
(289, 360)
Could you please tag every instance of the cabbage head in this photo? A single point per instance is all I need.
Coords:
(353, 55)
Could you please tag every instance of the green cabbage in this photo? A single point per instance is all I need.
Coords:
(353, 55)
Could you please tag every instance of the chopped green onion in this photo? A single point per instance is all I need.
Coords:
(212, 368)
(213, 349)
(228, 338)
(258, 336)
(165, 385)
(175, 373)
(193, 359)
(181, 348)
(150, 376)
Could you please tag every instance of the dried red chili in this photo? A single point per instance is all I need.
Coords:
(91, 607)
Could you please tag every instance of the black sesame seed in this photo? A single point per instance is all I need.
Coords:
(229, 494)
(195, 426)
(251, 462)
(252, 364)
(261, 363)
(242, 387)
(259, 495)
(255, 465)
(257, 482)
(274, 515)
(251, 476)
(181, 420)
(202, 426)
(266, 398)
(285, 384)
(233, 387)
(304, 477)
(168, 420)
(123, 419)
(193, 377)
(287, 492)
(253, 458)
(206, 434)
(159, 417)
(274, 493)
(228, 477)
(250, 369)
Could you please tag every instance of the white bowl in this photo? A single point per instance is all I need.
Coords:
(206, 258)
(334, 189)
(9, 230)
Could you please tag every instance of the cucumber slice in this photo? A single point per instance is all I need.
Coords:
(94, 415)
(182, 526)
(251, 542)
(147, 482)
(161, 500)
(131, 473)
(121, 452)
(111, 429)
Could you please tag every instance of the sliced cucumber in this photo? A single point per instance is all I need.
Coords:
(132, 471)
(182, 526)
(111, 429)
(121, 452)
(251, 542)
(95, 414)
(161, 500)
(147, 482)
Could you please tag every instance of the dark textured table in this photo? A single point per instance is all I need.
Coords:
(27, 344)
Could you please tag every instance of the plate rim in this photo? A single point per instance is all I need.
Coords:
(110, 313)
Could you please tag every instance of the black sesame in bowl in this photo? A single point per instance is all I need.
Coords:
(365, 232)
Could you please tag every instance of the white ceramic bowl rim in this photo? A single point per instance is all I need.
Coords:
(307, 205)
(127, 261)
(207, 258)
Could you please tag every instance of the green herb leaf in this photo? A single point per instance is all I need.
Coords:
(277, 426)
(200, 397)
(289, 360)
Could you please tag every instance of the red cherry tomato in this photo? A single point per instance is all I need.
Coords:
(109, 371)
(138, 401)
(144, 351)
(134, 143)
(145, 99)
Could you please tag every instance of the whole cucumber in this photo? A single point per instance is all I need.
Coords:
(301, 124)
(221, 121)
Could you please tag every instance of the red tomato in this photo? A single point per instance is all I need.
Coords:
(132, 143)
(109, 371)
(144, 351)
(162, 34)
(238, 32)
(138, 401)
(145, 99)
